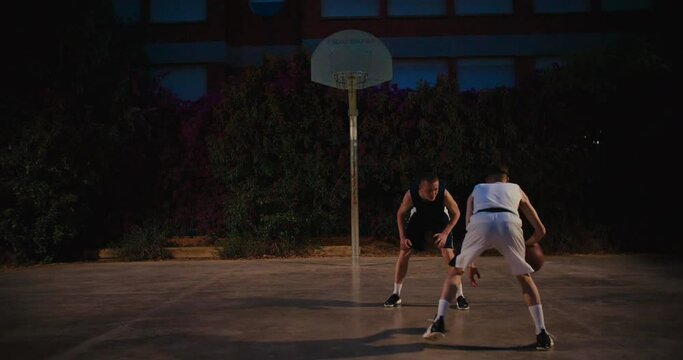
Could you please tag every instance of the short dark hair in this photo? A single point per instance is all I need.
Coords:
(428, 176)
(497, 171)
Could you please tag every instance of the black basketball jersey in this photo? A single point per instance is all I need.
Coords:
(428, 209)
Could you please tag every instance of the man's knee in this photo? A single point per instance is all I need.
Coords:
(405, 254)
(526, 281)
(524, 278)
(457, 271)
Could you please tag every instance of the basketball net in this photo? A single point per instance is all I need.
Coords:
(350, 79)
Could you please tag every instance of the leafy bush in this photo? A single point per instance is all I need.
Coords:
(195, 195)
(256, 247)
(279, 184)
(90, 147)
(65, 112)
(280, 146)
(145, 242)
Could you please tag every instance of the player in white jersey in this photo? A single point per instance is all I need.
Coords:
(493, 222)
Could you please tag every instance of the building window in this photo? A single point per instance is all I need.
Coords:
(561, 6)
(417, 8)
(626, 5)
(177, 11)
(127, 10)
(483, 7)
(349, 8)
(266, 7)
(186, 82)
(482, 74)
(407, 74)
(549, 62)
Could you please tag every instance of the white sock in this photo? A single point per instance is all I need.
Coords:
(443, 308)
(459, 292)
(397, 288)
(537, 314)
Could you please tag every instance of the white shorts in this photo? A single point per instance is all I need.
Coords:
(495, 230)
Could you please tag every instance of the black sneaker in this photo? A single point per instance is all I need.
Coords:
(461, 303)
(544, 341)
(436, 330)
(393, 301)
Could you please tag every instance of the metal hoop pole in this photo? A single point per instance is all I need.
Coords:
(353, 148)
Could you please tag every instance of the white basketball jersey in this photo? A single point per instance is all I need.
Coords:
(496, 195)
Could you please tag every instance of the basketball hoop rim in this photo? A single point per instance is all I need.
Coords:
(341, 78)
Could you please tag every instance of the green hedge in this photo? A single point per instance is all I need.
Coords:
(280, 146)
(91, 150)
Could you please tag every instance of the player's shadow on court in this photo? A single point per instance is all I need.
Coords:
(529, 347)
(309, 304)
(225, 347)
(345, 348)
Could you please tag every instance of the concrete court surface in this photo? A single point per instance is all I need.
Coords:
(598, 307)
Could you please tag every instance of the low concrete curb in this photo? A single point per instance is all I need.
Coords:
(191, 252)
(212, 252)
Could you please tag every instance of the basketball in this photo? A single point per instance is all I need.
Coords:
(534, 256)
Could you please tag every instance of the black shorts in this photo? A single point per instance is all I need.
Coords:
(419, 228)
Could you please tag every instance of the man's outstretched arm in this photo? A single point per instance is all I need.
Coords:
(403, 210)
(535, 221)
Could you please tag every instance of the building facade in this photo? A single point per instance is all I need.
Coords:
(483, 44)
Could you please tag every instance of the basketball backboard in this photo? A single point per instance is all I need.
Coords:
(351, 53)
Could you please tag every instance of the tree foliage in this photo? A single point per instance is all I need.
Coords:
(281, 147)
(81, 130)
(92, 150)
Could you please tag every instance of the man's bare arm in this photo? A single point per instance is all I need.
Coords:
(531, 215)
(473, 267)
(453, 211)
(403, 210)
(468, 212)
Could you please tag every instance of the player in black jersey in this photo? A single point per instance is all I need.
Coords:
(430, 200)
